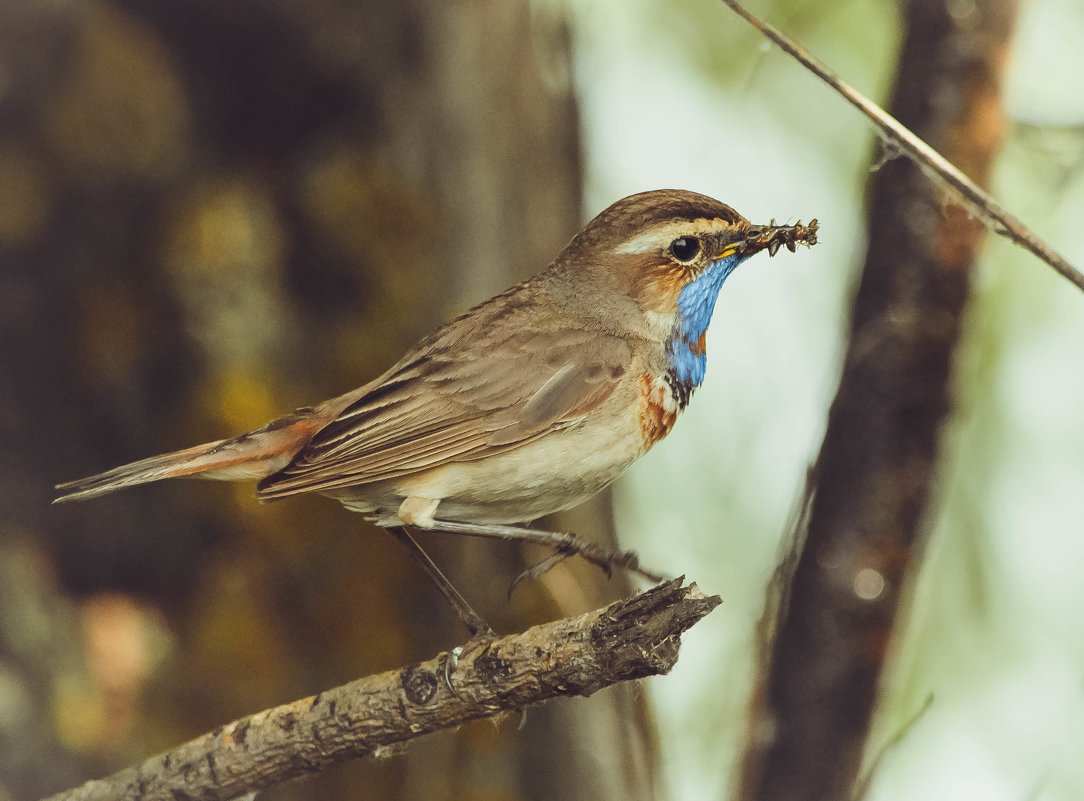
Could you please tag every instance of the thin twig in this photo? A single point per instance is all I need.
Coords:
(629, 639)
(932, 163)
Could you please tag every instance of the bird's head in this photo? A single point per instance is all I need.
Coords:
(670, 251)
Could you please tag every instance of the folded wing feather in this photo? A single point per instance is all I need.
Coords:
(433, 409)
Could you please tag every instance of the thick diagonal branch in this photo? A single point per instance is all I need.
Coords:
(629, 639)
(871, 486)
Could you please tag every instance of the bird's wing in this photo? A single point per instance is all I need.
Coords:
(445, 402)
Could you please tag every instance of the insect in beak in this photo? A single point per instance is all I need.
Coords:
(771, 237)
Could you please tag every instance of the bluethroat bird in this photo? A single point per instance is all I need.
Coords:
(527, 404)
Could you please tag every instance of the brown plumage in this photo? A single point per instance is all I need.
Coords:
(528, 403)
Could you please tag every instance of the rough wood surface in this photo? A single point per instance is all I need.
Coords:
(870, 490)
(626, 640)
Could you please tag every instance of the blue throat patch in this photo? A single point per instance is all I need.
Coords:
(695, 304)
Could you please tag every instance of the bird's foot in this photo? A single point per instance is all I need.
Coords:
(562, 543)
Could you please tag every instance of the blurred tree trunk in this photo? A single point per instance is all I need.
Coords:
(870, 486)
(227, 210)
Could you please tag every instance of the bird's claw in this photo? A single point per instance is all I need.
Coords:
(452, 658)
(601, 558)
(540, 569)
(451, 662)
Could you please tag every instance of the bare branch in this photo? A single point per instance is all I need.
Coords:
(935, 166)
(629, 639)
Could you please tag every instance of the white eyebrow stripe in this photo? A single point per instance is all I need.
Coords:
(660, 237)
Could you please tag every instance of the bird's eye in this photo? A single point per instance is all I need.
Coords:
(685, 248)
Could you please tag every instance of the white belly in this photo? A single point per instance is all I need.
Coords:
(552, 473)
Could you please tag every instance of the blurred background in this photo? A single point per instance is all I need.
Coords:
(211, 213)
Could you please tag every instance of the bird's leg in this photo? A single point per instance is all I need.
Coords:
(540, 569)
(479, 629)
(562, 543)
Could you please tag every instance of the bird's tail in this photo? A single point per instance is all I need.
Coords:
(249, 456)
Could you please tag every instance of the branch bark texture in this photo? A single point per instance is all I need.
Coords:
(629, 639)
(872, 478)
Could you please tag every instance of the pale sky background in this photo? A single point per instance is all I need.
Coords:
(684, 94)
